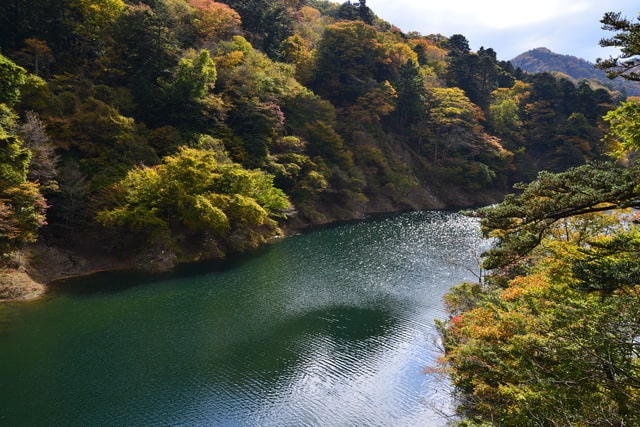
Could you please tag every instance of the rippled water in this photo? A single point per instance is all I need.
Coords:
(330, 328)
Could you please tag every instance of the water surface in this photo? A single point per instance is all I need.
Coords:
(329, 328)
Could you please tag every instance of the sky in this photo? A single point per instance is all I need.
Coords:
(568, 27)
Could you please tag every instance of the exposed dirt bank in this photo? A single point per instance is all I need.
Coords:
(18, 285)
(40, 264)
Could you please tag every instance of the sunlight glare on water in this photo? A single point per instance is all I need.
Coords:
(333, 327)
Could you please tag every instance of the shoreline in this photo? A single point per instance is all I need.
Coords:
(19, 286)
(45, 265)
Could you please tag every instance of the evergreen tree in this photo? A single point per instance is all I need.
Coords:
(626, 39)
(411, 95)
(267, 23)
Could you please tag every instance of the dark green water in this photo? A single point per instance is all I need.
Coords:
(330, 328)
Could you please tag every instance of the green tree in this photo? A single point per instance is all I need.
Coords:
(244, 72)
(609, 262)
(258, 125)
(187, 100)
(195, 76)
(626, 39)
(267, 23)
(452, 122)
(487, 74)
(70, 202)
(477, 73)
(355, 11)
(196, 193)
(550, 337)
(144, 49)
(106, 143)
(541, 353)
(522, 220)
(90, 21)
(348, 56)
(504, 112)
(22, 206)
(577, 144)
(624, 124)
(529, 346)
(412, 94)
(12, 78)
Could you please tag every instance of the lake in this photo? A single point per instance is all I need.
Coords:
(333, 327)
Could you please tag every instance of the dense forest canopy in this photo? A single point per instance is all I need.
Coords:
(165, 131)
(541, 60)
(111, 109)
(550, 335)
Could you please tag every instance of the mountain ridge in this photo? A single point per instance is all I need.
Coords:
(542, 59)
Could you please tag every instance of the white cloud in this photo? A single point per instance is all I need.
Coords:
(510, 28)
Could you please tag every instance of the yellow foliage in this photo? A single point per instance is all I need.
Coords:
(216, 21)
(525, 285)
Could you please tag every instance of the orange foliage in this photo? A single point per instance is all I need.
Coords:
(429, 49)
(216, 21)
(524, 285)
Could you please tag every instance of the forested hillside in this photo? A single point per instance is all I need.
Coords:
(542, 60)
(148, 133)
(549, 334)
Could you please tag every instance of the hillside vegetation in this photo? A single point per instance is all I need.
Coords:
(148, 133)
(543, 60)
(549, 334)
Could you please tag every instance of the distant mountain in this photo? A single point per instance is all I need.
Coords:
(543, 60)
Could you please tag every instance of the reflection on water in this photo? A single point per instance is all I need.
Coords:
(332, 328)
